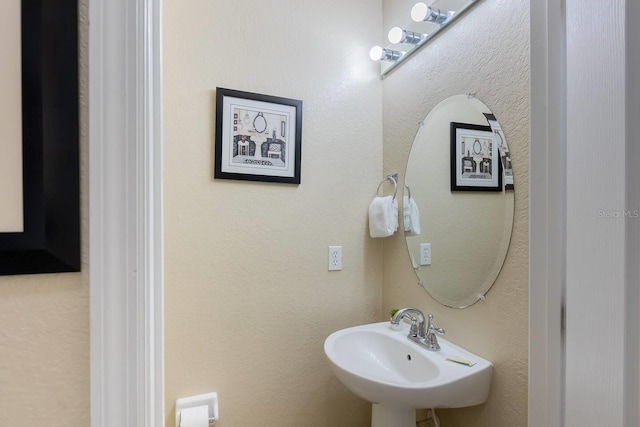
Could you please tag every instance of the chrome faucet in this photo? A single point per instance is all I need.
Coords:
(418, 327)
(421, 332)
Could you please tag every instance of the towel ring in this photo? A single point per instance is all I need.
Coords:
(393, 178)
(408, 190)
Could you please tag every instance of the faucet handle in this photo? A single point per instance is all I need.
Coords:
(430, 338)
(431, 329)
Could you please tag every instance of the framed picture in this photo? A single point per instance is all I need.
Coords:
(48, 237)
(475, 161)
(503, 150)
(258, 137)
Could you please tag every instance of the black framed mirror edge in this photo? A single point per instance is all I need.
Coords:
(50, 241)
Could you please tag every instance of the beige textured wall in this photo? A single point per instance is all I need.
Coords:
(487, 52)
(249, 300)
(44, 338)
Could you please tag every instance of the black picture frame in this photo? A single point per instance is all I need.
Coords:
(258, 137)
(476, 167)
(50, 240)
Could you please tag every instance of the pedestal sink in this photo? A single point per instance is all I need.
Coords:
(379, 364)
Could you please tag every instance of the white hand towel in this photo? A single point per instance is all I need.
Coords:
(406, 214)
(411, 216)
(415, 217)
(383, 216)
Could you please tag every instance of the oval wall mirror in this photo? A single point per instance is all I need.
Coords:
(458, 201)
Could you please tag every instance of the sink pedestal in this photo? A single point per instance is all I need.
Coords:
(389, 416)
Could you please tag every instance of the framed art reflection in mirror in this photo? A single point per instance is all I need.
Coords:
(475, 162)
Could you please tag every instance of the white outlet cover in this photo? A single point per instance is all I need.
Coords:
(335, 258)
(425, 253)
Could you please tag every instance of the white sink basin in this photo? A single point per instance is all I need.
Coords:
(384, 367)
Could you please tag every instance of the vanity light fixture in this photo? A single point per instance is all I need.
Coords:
(398, 35)
(378, 53)
(406, 40)
(420, 12)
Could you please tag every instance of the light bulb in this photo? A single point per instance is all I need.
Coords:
(398, 35)
(376, 53)
(419, 12)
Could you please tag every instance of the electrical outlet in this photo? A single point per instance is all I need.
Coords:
(335, 258)
(425, 253)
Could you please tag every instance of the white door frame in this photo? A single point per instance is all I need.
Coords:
(547, 213)
(125, 204)
(596, 142)
(584, 267)
(632, 409)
